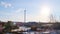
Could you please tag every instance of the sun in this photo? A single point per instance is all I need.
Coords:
(44, 14)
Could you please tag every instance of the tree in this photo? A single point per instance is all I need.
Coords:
(56, 26)
(7, 26)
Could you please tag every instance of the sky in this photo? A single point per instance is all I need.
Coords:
(36, 10)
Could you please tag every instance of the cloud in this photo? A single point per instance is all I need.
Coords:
(15, 15)
(5, 4)
(12, 16)
(18, 10)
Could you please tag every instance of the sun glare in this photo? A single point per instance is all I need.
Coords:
(44, 14)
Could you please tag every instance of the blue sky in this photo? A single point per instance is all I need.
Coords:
(13, 9)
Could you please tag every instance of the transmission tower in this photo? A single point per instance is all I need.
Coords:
(25, 16)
